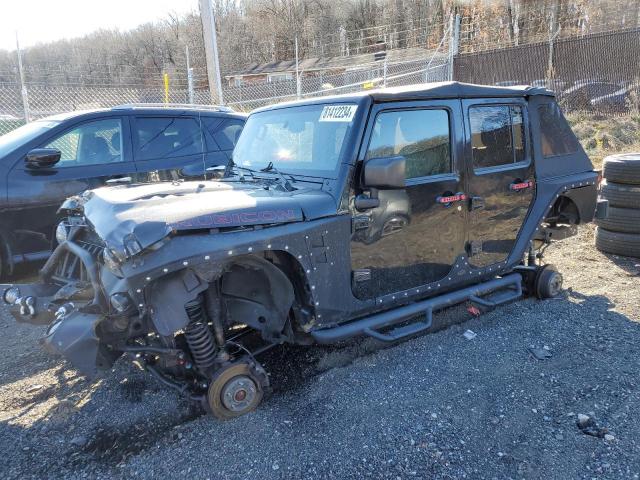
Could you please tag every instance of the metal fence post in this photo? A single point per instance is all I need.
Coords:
(384, 72)
(23, 86)
(454, 30)
(190, 85)
(298, 85)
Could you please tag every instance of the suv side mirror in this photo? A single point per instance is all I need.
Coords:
(42, 157)
(385, 172)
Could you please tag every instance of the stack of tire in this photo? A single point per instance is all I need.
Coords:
(619, 233)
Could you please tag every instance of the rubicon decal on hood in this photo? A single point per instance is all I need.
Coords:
(218, 220)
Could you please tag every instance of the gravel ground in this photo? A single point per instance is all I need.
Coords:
(439, 406)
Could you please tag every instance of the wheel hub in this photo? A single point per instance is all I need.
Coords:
(236, 389)
(239, 393)
(555, 285)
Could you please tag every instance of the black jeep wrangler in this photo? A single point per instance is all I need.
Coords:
(338, 216)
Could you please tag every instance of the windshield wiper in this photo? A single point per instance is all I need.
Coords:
(231, 165)
(270, 168)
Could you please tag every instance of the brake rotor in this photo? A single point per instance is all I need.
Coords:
(236, 389)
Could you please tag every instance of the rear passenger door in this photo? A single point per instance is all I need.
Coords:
(501, 182)
(169, 148)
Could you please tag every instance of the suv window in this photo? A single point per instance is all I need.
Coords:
(497, 135)
(421, 136)
(225, 132)
(556, 135)
(92, 143)
(165, 137)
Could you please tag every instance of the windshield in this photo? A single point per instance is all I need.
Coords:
(15, 138)
(308, 139)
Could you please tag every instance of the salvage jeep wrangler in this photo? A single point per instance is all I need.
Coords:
(338, 216)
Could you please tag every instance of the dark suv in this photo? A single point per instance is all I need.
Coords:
(339, 216)
(46, 161)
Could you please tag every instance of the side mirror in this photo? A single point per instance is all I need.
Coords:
(385, 172)
(42, 158)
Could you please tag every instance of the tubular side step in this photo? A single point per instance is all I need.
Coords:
(510, 287)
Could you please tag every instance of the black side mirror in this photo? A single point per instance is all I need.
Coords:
(385, 172)
(42, 157)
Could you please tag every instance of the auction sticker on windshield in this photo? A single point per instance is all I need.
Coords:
(338, 113)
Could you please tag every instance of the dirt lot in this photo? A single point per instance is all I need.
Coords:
(439, 406)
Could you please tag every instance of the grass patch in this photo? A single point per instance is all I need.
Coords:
(601, 136)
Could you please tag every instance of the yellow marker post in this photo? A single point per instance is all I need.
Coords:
(166, 88)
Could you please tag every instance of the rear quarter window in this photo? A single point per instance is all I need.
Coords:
(497, 135)
(555, 133)
(166, 137)
(225, 132)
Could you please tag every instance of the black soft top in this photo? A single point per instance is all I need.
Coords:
(425, 91)
(454, 90)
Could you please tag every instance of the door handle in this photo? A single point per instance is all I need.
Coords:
(447, 200)
(476, 203)
(518, 185)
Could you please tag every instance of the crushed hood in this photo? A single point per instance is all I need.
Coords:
(131, 218)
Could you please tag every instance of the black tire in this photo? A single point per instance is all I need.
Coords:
(621, 195)
(624, 244)
(624, 220)
(622, 168)
(548, 283)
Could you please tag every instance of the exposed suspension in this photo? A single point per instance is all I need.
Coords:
(199, 335)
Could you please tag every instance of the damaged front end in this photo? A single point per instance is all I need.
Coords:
(69, 299)
(121, 284)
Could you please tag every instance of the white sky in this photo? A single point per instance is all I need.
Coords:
(41, 21)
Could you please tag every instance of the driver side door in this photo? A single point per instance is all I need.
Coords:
(416, 233)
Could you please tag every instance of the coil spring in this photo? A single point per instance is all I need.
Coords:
(199, 336)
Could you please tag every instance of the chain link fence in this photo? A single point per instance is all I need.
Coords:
(597, 72)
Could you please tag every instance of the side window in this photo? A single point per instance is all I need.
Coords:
(92, 143)
(225, 133)
(497, 135)
(160, 137)
(556, 135)
(421, 136)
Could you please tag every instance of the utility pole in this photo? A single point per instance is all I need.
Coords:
(298, 85)
(189, 76)
(208, 18)
(23, 87)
